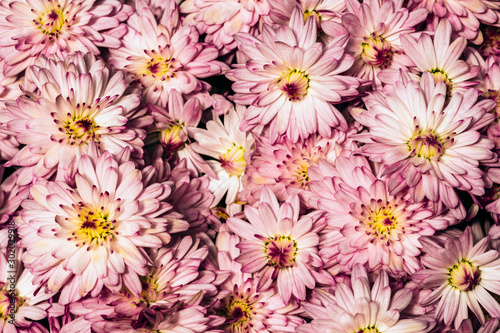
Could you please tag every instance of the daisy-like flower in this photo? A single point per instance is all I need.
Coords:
(224, 142)
(29, 29)
(172, 126)
(375, 28)
(291, 81)
(161, 59)
(245, 308)
(79, 240)
(220, 20)
(78, 101)
(363, 308)
(366, 224)
(278, 244)
(463, 275)
(284, 165)
(464, 15)
(433, 146)
(440, 57)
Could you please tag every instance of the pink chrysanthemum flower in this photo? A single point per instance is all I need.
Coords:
(375, 28)
(323, 11)
(440, 57)
(78, 101)
(224, 142)
(172, 126)
(278, 244)
(464, 15)
(79, 240)
(362, 307)
(245, 308)
(291, 81)
(463, 276)
(29, 29)
(220, 20)
(161, 59)
(432, 146)
(366, 224)
(283, 166)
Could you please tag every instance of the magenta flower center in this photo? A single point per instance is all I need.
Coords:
(238, 310)
(281, 251)
(6, 298)
(464, 276)
(172, 138)
(94, 226)
(294, 85)
(52, 22)
(79, 130)
(377, 52)
(426, 144)
(233, 161)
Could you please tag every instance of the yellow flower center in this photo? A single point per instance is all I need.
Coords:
(294, 85)
(426, 144)
(172, 138)
(233, 161)
(94, 226)
(308, 13)
(371, 329)
(238, 310)
(281, 251)
(377, 52)
(149, 288)
(52, 22)
(441, 76)
(464, 276)
(301, 174)
(80, 130)
(9, 301)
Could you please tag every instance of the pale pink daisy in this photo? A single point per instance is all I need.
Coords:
(78, 101)
(464, 15)
(290, 81)
(220, 20)
(79, 240)
(432, 146)
(172, 125)
(440, 56)
(246, 308)
(30, 28)
(366, 224)
(280, 244)
(363, 308)
(375, 28)
(283, 166)
(228, 146)
(161, 60)
(463, 275)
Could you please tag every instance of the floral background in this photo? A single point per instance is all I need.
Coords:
(249, 166)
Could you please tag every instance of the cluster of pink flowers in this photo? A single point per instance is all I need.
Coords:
(251, 166)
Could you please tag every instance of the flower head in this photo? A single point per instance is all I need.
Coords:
(29, 29)
(291, 81)
(462, 275)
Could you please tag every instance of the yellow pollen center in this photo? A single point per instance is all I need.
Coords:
(51, 22)
(281, 251)
(294, 85)
(377, 52)
(371, 329)
(464, 276)
(233, 161)
(9, 301)
(441, 76)
(172, 138)
(160, 67)
(95, 227)
(426, 144)
(301, 174)
(80, 130)
(308, 13)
